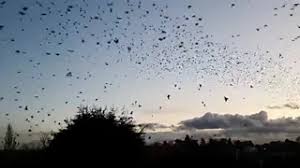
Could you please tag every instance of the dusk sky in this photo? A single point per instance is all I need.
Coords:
(168, 61)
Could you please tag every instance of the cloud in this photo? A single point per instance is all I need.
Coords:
(153, 126)
(257, 123)
(256, 127)
(274, 107)
(293, 106)
(227, 121)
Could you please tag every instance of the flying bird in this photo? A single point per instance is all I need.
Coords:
(226, 98)
(69, 74)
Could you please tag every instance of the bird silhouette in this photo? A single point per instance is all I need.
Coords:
(226, 98)
(168, 97)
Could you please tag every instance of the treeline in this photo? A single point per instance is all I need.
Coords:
(99, 138)
(224, 153)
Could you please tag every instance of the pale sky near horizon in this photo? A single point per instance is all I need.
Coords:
(119, 58)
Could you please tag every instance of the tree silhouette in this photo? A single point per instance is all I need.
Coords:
(10, 142)
(45, 139)
(97, 135)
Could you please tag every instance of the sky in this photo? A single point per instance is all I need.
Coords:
(168, 61)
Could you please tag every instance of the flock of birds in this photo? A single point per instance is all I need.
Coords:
(170, 44)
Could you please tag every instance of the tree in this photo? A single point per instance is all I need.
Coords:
(45, 139)
(10, 142)
(202, 142)
(98, 136)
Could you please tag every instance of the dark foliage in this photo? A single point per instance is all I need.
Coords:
(10, 142)
(97, 136)
(223, 153)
